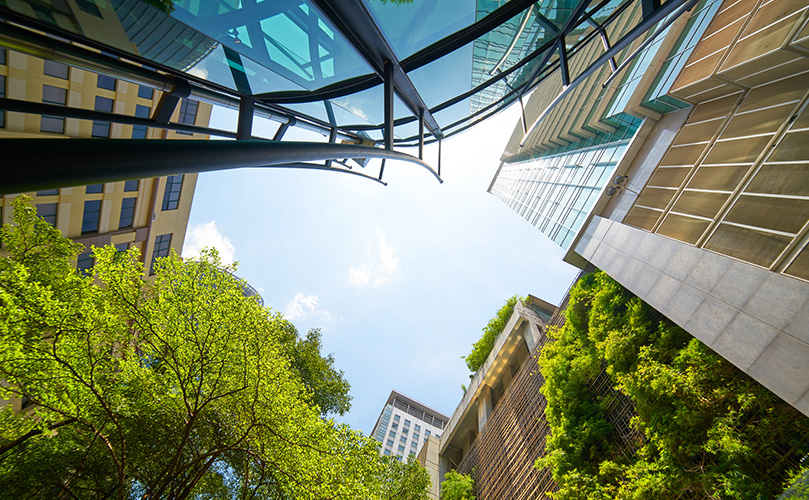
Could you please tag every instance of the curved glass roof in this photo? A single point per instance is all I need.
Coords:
(324, 61)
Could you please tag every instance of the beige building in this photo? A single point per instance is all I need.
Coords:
(149, 214)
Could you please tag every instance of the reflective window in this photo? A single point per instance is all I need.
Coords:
(387, 452)
(56, 69)
(131, 185)
(171, 196)
(48, 192)
(84, 263)
(127, 213)
(162, 247)
(53, 95)
(94, 188)
(188, 113)
(102, 129)
(145, 92)
(3, 56)
(2, 94)
(91, 216)
(140, 131)
(106, 82)
(89, 7)
(48, 212)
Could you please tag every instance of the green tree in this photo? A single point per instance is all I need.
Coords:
(707, 429)
(457, 486)
(178, 387)
(482, 348)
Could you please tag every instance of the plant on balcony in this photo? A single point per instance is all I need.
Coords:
(482, 348)
(457, 486)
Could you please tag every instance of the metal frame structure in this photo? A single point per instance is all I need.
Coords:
(354, 22)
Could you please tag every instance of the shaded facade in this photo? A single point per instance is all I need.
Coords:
(704, 213)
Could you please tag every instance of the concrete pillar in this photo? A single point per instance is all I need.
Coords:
(484, 405)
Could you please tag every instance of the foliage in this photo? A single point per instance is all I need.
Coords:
(797, 487)
(179, 387)
(708, 430)
(166, 6)
(484, 346)
(403, 481)
(457, 486)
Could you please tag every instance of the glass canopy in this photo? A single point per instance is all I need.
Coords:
(450, 63)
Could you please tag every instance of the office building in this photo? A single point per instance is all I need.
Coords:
(682, 175)
(405, 425)
(150, 214)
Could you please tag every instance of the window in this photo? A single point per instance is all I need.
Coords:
(127, 213)
(89, 7)
(84, 263)
(121, 247)
(3, 56)
(171, 196)
(2, 94)
(188, 113)
(139, 131)
(412, 453)
(106, 82)
(427, 432)
(131, 185)
(48, 212)
(401, 448)
(392, 434)
(162, 246)
(145, 92)
(92, 214)
(102, 129)
(56, 69)
(396, 418)
(415, 437)
(407, 422)
(418, 427)
(48, 192)
(94, 188)
(399, 458)
(387, 452)
(390, 442)
(405, 431)
(394, 426)
(53, 95)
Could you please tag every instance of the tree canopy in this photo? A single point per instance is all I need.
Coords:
(482, 348)
(704, 428)
(175, 387)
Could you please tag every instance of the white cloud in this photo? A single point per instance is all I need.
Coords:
(199, 72)
(303, 306)
(208, 235)
(380, 267)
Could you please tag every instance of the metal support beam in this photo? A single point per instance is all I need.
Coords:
(382, 169)
(439, 157)
(332, 140)
(168, 101)
(421, 134)
(355, 23)
(244, 129)
(39, 108)
(649, 7)
(388, 78)
(645, 25)
(35, 164)
(563, 63)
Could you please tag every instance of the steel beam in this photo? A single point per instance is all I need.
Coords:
(388, 77)
(244, 129)
(36, 164)
(354, 22)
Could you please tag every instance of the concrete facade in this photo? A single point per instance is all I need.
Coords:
(405, 425)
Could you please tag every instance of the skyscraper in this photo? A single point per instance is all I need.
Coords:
(405, 424)
(679, 169)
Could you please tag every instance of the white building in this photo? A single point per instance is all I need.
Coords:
(405, 424)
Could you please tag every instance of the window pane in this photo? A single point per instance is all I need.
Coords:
(131, 185)
(139, 131)
(3, 56)
(92, 214)
(127, 213)
(162, 246)
(53, 124)
(94, 188)
(57, 69)
(54, 95)
(3, 93)
(48, 212)
(84, 263)
(48, 192)
(188, 113)
(106, 82)
(171, 196)
(145, 92)
(103, 104)
(89, 7)
(101, 129)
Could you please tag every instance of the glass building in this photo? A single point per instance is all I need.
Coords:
(368, 77)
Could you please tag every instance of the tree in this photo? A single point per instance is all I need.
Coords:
(482, 348)
(457, 486)
(179, 387)
(707, 430)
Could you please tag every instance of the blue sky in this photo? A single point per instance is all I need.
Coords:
(400, 278)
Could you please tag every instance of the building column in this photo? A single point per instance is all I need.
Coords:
(484, 405)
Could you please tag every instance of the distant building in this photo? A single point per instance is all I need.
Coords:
(682, 175)
(405, 424)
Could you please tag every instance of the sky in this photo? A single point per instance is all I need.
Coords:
(401, 279)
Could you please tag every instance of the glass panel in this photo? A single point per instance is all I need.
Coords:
(445, 77)
(412, 25)
(290, 37)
